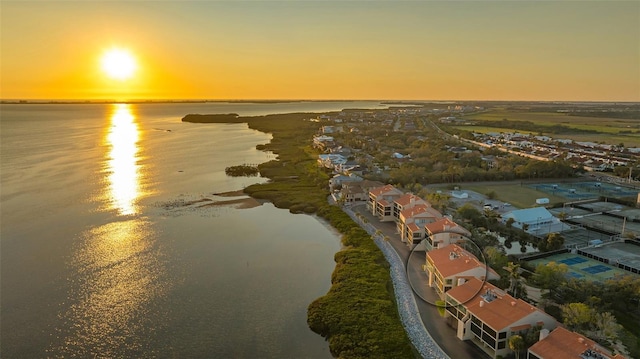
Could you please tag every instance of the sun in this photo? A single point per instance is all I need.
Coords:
(118, 64)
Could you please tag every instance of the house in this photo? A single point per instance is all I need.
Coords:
(381, 202)
(322, 141)
(358, 191)
(331, 160)
(405, 202)
(564, 344)
(340, 180)
(411, 222)
(452, 265)
(443, 232)
(486, 315)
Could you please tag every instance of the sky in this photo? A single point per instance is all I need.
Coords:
(323, 50)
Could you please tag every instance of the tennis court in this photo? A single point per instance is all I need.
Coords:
(573, 260)
(580, 267)
(586, 190)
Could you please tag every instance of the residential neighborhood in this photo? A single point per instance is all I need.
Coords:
(492, 308)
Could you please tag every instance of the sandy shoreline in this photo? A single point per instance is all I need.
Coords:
(241, 203)
(237, 193)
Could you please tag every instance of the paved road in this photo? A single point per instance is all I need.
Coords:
(437, 327)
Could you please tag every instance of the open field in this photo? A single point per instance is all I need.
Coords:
(610, 130)
(520, 196)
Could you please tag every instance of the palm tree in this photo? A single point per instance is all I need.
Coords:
(516, 343)
(514, 277)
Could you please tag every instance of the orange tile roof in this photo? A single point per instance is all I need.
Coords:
(449, 265)
(408, 198)
(413, 227)
(434, 212)
(564, 344)
(498, 313)
(384, 189)
(414, 211)
(444, 225)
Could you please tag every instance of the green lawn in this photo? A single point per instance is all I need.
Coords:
(520, 196)
(610, 130)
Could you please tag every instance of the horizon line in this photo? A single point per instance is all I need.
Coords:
(194, 100)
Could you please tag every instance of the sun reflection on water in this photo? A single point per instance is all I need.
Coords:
(124, 181)
(119, 274)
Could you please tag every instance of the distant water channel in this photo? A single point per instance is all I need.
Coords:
(112, 244)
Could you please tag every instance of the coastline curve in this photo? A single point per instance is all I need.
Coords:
(407, 306)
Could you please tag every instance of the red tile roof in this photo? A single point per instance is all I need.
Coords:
(453, 259)
(384, 189)
(445, 225)
(408, 198)
(564, 344)
(500, 312)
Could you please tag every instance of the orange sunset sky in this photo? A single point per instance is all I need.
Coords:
(418, 50)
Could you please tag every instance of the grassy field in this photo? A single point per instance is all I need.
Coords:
(520, 196)
(610, 130)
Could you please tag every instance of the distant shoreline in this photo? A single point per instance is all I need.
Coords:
(108, 102)
(384, 102)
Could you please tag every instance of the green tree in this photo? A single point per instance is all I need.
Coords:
(509, 222)
(495, 257)
(606, 328)
(550, 276)
(469, 213)
(516, 343)
(514, 278)
(577, 316)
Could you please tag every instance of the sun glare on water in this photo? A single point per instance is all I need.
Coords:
(118, 64)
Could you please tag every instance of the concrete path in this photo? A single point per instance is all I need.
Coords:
(437, 327)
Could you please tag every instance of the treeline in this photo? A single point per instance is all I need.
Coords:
(629, 115)
(606, 311)
(213, 118)
(528, 126)
(433, 162)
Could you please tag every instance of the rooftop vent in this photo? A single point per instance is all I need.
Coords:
(489, 296)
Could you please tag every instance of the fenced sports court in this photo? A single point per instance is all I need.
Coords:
(581, 267)
(586, 190)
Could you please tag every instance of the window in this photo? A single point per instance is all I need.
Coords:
(489, 340)
(490, 331)
(476, 330)
(502, 335)
(502, 344)
(476, 320)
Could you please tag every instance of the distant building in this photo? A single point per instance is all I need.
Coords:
(412, 220)
(358, 191)
(381, 202)
(538, 221)
(405, 202)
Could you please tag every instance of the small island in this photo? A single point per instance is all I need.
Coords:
(212, 118)
(242, 171)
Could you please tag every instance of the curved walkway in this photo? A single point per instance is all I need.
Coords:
(407, 306)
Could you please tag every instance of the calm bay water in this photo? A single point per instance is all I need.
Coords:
(110, 246)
